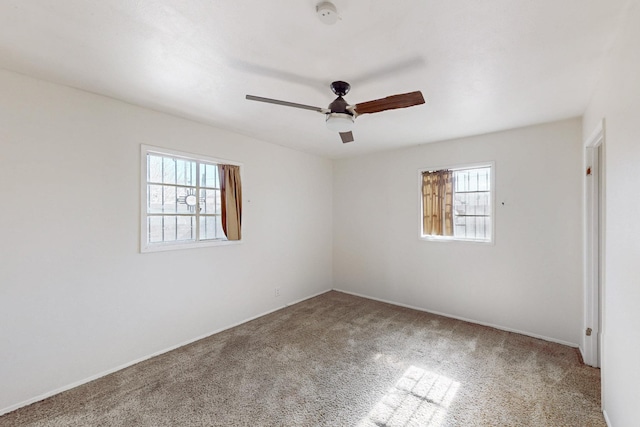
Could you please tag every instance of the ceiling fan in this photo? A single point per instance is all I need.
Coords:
(340, 115)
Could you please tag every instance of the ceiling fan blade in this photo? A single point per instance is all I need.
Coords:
(346, 137)
(285, 103)
(390, 103)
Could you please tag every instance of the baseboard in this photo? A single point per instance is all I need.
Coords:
(299, 301)
(502, 328)
(606, 418)
(142, 359)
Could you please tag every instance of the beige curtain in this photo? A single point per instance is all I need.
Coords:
(437, 203)
(231, 195)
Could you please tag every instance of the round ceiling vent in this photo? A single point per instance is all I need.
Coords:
(327, 12)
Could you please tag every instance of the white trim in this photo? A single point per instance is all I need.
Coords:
(298, 301)
(429, 238)
(464, 319)
(143, 358)
(606, 418)
(581, 352)
(593, 245)
(596, 135)
(159, 247)
(189, 156)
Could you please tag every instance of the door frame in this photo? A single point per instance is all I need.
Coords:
(594, 246)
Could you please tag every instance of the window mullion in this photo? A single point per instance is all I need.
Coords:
(443, 214)
(198, 207)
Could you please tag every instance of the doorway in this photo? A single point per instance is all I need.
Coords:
(594, 247)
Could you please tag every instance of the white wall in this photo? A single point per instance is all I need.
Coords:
(76, 296)
(530, 280)
(617, 100)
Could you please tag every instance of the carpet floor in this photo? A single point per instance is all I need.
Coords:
(340, 360)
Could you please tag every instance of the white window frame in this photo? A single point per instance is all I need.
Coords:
(169, 246)
(492, 197)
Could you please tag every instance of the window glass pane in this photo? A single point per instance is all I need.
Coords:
(211, 228)
(209, 175)
(472, 227)
(170, 228)
(483, 179)
(485, 203)
(459, 204)
(460, 228)
(473, 179)
(467, 227)
(185, 228)
(487, 228)
(461, 180)
(170, 199)
(472, 203)
(482, 228)
(219, 230)
(154, 173)
(154, 229)
(185, 172)
(187, 199)
(154, 198)
(210, 201)
(168, 170)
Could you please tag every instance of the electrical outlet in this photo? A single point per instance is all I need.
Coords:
(277, 292)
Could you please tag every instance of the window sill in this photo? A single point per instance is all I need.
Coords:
(178, 246)
(429, 238)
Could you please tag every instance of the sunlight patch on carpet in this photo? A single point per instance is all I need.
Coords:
(419, 398)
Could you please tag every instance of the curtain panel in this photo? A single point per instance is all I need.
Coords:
(437, 203)
(231, 197)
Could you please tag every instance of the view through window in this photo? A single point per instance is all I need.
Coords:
(182, 203)
(457, 204)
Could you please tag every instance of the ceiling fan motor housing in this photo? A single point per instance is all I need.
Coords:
(340, 119)
(339, 105)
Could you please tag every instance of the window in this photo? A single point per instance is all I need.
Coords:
(186, 200)
(457, 204)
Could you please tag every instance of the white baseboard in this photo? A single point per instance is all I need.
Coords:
(142, 359)
(302, 299)
(606, 418)
(581, 353)
(491, 325)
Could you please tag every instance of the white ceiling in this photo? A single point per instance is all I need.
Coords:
(481, 65)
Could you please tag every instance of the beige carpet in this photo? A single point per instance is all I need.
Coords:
(340, 360)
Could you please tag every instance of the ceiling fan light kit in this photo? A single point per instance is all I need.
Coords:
(340, 122)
